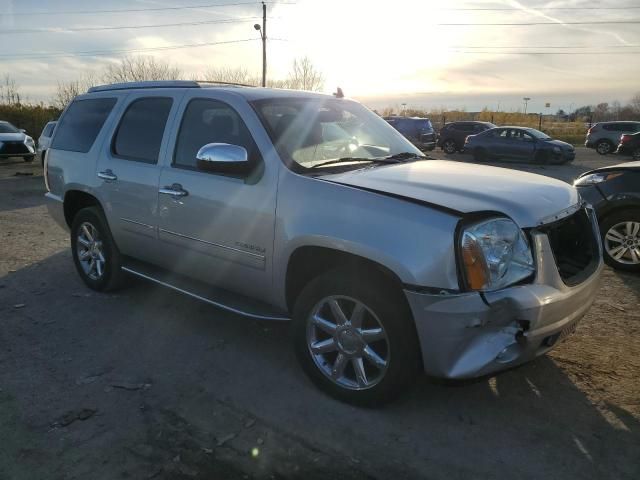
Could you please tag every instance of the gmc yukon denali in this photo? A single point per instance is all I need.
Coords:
(284, 205)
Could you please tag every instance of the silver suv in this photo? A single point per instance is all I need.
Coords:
(605, 136)
(281, 205)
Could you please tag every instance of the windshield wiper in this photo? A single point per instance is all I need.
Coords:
(396, 158)
(354, 159)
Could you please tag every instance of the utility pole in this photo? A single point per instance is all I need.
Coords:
(263, 36)
(526, 100)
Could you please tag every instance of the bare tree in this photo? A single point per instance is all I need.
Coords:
(9, 94)
(305, 76)
(635, 103)
(67, 91)
(229, 74)
(135, 69)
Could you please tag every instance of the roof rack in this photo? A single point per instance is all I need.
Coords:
(161, 84)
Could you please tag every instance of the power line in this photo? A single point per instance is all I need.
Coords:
(124, 27)
(152, 9)
(526, 24)
(92, 53)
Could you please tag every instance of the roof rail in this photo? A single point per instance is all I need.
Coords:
(215, 82)
(147, 84)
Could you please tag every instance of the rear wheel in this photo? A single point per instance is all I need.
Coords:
(95, 254)
(603, 147)
(355, 338)
(449, 146)
(621, 240)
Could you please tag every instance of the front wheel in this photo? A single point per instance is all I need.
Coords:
(621, 240)
(95, 254)
(604, 147)
(355, 338)
(449, 146)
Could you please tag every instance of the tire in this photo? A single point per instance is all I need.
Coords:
(106, 274)
(542, 157)
(28, 159)
(479, 155)
(604, 147)
(449, 146)
(615, 235)
(394, 344)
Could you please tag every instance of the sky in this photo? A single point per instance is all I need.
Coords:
(382, 52)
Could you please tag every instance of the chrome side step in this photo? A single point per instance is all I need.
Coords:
(266, 314)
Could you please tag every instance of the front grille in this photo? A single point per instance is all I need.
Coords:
(575, 246)
(13, 148)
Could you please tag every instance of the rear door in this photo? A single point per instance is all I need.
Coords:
(128, 171)
(220, 228)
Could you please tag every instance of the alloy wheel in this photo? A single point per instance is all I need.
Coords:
(347, 342)
(622, 242)
(603, 148)
(90, 251)
(449, 146)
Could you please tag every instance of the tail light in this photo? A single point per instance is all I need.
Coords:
(625, 138)
(589, 131)
(466, 139)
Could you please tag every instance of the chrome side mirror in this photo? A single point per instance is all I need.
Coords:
(223, 158)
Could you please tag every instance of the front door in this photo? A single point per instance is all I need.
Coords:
(217, 227)
(129, 173)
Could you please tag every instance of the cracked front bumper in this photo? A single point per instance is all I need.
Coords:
(465, 336)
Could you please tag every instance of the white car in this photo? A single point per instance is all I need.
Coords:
(45, 140)
(15, 142)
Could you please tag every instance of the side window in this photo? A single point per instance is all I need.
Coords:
(48, 130)
(210, 121)
(81, 123)
(139, 135)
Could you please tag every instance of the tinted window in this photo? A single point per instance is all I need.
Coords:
(81, 124)
(140, 132)
(6, 127)
(48, 130)
(465, 127)
(209, 121)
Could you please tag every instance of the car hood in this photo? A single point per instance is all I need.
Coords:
(561, 144)
(527, 198)
(9, 137)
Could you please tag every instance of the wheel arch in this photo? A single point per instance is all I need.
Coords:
(76, 200)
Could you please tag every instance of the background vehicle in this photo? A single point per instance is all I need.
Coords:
(604, 136)
(520, 144)
(281, 205)
(452, 136)
(16, 143)
(418, 131)
(45, 140)
(629, 145)
(615, 194)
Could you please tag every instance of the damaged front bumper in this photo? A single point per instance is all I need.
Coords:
(469, 335)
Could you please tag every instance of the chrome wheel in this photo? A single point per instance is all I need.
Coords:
(90, 251)
(622, 242)
(603, 148)
(348, 342)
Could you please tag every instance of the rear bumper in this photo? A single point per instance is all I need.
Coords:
(464, 336)
(55, 207)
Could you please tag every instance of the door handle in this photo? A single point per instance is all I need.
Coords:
(174, 190)
(107, 175)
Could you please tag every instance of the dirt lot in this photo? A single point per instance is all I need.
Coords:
(150, 384)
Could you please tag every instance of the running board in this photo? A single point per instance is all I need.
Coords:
(217, 297)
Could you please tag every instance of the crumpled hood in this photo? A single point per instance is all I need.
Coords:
(525, 197)
(11, 137)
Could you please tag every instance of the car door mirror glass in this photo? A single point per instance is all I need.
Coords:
(223, 158)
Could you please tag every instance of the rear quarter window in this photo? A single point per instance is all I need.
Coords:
(81, 124)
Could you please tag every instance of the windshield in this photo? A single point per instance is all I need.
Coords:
(538, 134)
(6, 127)
(310, 131)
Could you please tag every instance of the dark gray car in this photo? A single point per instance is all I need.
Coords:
(519, 143)
(453, 135)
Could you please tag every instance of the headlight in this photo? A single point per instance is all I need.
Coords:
(495, 254)
(596, 178)
(29, 141)
(557, 150)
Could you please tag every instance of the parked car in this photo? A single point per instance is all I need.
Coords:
(629, 145)
(518, 143)
(614, 192)
(452, 136)
(418, 131)
(15, 142)
(45, 140)
(386, 263)
(604, 136)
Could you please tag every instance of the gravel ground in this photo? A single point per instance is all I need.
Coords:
(150, 384)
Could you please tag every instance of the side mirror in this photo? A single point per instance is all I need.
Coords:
(223, 158)
(22, 130)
